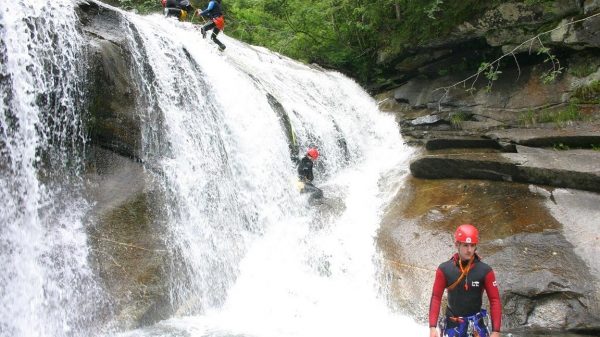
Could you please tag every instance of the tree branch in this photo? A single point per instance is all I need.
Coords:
(493, 66)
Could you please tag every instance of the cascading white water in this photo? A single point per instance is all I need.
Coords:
(275, 268)
(46, 285)
(257, 259)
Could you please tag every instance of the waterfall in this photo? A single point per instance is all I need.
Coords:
(46, 285)
(249, 255)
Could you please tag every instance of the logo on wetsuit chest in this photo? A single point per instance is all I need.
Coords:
(475, 284)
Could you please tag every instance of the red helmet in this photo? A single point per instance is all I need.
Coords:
(467, 234)
(313, 153)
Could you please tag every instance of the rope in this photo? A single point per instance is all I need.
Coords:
(127, 244)
(408, 265)
(464, 272)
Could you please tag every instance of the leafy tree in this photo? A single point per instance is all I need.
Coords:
(347, 35)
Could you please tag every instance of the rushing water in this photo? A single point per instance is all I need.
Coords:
(46, 285)
(257, 259)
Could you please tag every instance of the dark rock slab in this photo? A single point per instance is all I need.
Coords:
(453, 143)
(571, 169)
(575, 137)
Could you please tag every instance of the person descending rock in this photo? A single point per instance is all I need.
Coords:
(305, 174)
(177, 8)
(215, 13)
(465, 277)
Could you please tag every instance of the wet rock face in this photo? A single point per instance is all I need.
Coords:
(545, 281)
(114, 122)
(545, 284)
(126, 230)
(127, 238)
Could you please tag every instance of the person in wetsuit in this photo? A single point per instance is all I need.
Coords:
(305, 173)
(465, 277)
(215, 13)
(177, 8)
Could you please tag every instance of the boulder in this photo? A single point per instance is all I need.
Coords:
(543, 286)
(578, 36)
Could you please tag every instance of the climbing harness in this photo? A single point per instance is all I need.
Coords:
(471, 326)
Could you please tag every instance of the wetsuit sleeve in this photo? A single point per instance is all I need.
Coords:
(210, 7)
(439, 285)
(491, 289)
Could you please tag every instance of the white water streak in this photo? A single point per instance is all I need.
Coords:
(45, 285)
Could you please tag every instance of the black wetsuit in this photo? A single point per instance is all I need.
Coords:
(174, 7)
(305, 173)
(305, 169)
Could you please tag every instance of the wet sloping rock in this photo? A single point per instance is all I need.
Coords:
(127, 232)
(126, 238)
(114, 122)
(571, 169)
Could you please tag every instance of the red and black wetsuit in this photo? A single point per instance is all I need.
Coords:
(466, 298)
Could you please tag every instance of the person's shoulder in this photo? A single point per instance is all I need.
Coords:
(447, 263)
(486, 267)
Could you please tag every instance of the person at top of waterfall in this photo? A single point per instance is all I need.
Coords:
(177, 8)
(465, 277)
(305, 173)
(215, 13)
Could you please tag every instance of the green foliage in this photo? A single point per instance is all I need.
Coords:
(564, 116)
(491, 72)
(589, 93)
(561, 117)
(550, 75)
(582, 70)
(595, 147)
(536, 2)
(560, 147)
(527, 118)
(435, 7)
(457, 118)
(142, 6)
(345, 34)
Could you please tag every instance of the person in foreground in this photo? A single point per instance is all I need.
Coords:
(215, 13)
(305, 174)
(465, 277)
